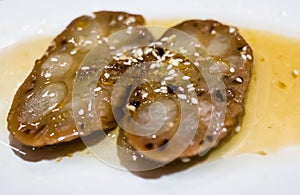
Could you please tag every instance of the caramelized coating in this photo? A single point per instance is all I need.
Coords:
(226, 46)
(157, 84)
(41, 113)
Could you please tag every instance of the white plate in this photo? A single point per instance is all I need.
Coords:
(246, 174)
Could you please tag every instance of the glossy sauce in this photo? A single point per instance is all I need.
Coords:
(272, 109)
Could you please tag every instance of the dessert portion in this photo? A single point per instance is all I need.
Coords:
(154, 92)
(41, 112)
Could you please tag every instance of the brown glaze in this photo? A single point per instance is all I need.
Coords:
(41, 113)
(225, 44)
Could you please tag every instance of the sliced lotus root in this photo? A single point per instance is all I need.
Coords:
(234, 60)
(41, 113)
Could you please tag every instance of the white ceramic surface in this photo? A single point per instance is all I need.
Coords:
(246, 174)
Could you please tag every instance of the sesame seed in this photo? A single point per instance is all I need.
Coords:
(164, 39)
(119, 54)
(182, 50)
(174, 75)
(106, 75)
(73, 52)
(105, 39)
(72, 41)
(232, 70)
(112, 48)
(88, 42)
(152, 66)
(232, 29)
(186, 78)
(144, 95)
(120, 17)
(172, 71)
(239, 80)
(181, 89)
(85, 68)
(224, 129)
(238, 129)
(139, 52)
(158, 43)
(148, 50)
(81, 112)
(194, 100)
(79, 28)
(244, 57)
(48, 75)
(196, 64)
(249, 56)
(169, 67)
(185, 160)
(172, 37)
(128, 62)
(190, 85)
(170, 124)
(174, 62)
(61, 138)
(129, 31)
(153, 136)
(197, 45)
(169, 54)
(213, 32)
(97, 89)
(51, 95)
(156, 90)
(181, 96)
(123, 57)
(90, 106)
(155, 54)
(186, 63)
(134, 157)
(168, 78)
(244, 48)
(53, 59)
(116, 58)
(130, 107)
(191, 89)
(295, 73)
(130, 20)
(164, 91)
